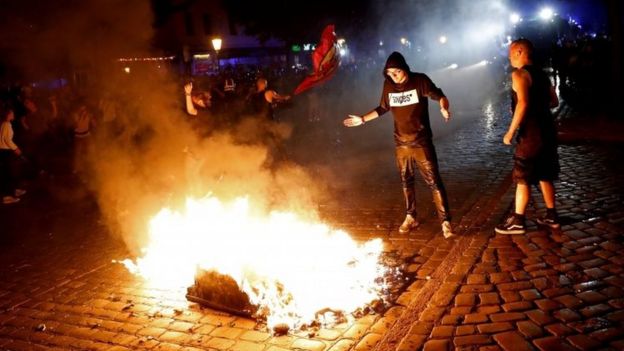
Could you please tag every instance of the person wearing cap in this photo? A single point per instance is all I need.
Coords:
(406, 94)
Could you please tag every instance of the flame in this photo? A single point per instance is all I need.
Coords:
(288, 267)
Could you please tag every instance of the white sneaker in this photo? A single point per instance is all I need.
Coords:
(19, 192)
(10, 200)
(447, 230)
(408, 224)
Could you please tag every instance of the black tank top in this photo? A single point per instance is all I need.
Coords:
(537, 129)
(261, 106)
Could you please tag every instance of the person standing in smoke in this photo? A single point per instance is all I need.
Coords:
(261, 104)
(264, 100)
(535, 159)
(406, 94)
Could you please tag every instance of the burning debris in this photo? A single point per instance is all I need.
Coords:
(274, 267)
(220, 292)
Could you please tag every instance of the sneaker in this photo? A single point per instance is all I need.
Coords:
(19, 192)
(550, 219)
(408, 224)
(447, 230)
(512, 225)
(10, 200)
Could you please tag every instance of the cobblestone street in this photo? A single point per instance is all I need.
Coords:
(546, 290)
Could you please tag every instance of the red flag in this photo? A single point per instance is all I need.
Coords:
(325, 61)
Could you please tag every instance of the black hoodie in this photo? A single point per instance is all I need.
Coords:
(408, 103)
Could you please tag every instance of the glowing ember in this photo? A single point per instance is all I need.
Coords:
(290, 269)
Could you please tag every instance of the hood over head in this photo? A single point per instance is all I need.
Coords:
(395, 60)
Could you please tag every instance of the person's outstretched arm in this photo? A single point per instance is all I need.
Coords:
(355, 120)
(275, 97)
(190, 108)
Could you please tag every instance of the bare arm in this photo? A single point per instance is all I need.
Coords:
(190, 108)
(521, 81)
(273, 96)
(445, 108)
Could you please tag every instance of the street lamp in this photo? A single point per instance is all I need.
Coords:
(216, 44)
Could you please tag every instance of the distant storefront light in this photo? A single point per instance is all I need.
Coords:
(138, 59)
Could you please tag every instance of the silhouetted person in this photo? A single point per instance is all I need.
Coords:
(535, 157)
(264, 100)
(9, 153)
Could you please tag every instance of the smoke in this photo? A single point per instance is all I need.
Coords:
(472, 31)
(147, 153)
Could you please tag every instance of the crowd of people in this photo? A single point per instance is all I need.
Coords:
(583, 68)
(50, 131)
(38, 127)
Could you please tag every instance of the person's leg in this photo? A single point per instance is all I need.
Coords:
(7, 180)
(548, 192)
(515, 222)
(406, 165)
(5, 174)
(428, 166)
(523, 193)
(551, 218)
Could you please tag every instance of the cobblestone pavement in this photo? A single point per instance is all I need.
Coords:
(544, 290)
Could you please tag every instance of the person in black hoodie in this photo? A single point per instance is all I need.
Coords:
(407, 94)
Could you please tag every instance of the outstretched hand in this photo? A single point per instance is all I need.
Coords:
(446, 114)
(353, 121)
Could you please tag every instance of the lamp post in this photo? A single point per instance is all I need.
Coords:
(216, 44)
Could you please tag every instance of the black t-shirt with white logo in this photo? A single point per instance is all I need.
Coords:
(410, 108)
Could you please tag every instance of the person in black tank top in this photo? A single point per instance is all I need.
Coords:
(535, 158)
(263, 101)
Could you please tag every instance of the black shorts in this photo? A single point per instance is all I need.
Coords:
(541, 166)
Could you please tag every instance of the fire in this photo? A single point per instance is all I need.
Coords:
(289, 268)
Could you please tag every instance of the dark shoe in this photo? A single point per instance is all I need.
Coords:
(408, 224)
(550, 219)
(512, 225)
